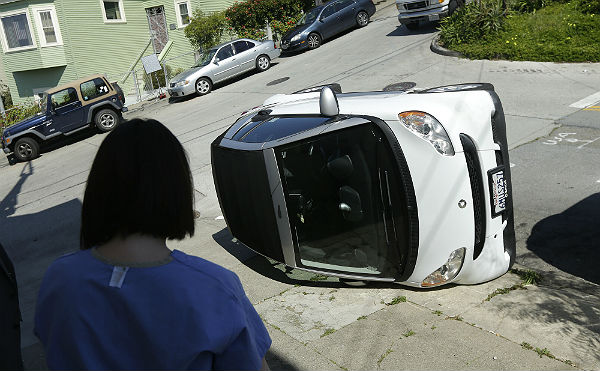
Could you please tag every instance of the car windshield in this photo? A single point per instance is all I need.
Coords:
(206, 58)
(309, 17)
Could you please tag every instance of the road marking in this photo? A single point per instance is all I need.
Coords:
(592, 108)
(512, 165)
(588, 142)
(587, 101)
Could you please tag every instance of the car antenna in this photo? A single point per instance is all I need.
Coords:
(328, 102)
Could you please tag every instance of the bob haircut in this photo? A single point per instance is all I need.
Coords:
(139, 183)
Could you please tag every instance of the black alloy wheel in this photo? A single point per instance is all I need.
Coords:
(26, 149)
(314, 41)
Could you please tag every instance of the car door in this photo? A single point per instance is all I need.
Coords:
(246, 53)
(67, 111)
(225, 63)
(345, 14)
(328, 23)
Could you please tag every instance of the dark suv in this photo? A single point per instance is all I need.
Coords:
(66, 109)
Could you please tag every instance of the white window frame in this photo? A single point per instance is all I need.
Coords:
(121, 9)
(178, 13)
(3, 34)
(37, 9)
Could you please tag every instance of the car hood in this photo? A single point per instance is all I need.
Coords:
(28, 123)
(186, 74)
(295, 31)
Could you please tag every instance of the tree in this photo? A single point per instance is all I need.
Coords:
(205, 30)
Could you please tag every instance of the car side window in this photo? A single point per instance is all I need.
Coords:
(329, 10)
(240, 46)
(225, 52)
(93, 89)
(63, 97)
(250, 44)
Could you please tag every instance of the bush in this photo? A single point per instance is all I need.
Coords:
(589, 6)
(17, 113)
(249, 18)
(205, 31)
(474, 21)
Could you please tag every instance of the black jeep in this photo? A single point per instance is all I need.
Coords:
(66, 109)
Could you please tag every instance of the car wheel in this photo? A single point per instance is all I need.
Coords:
(203, 86)
(263, 63)
(106, 120)
(26, 149)
(314, 41)
(412, 26)
(362, 19)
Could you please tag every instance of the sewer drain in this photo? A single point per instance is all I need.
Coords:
(401, 86)
(278, 81)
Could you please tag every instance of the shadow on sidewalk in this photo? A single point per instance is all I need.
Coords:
(570, 241)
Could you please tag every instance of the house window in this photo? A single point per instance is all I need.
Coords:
(182, 8)
(47, 26)
(112, 11)
(16, 31)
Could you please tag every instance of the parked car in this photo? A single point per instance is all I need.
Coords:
(325, 21)
(223, 62)
(64, 110)
(406, 187)
(411, 12)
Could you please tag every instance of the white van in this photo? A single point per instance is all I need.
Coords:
(410, 12)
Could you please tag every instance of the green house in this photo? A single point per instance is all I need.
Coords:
(47, 43)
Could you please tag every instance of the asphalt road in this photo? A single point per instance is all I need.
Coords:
(555, 147)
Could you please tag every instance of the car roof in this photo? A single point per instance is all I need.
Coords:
(232, 41)
(73, 83)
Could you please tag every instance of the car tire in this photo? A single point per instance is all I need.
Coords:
(313, 40)
(263, 63)
(203, 86)
(26, 149)
(362, 19)
(412, 26)
(106, 119)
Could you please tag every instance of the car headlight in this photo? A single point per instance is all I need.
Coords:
(295, 38)
(448, 271)
(428, 128)
(182, 83)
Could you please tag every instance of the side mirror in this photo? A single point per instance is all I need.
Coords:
(321, 19)
(216, 61)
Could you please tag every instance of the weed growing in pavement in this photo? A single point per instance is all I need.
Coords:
(456, 318)
(433, 327)
(505, 290)
(438, 312)
(318, 277)
(361, 317)
(382, 357)
(528, 276)
(396, 300)
(408, 333)
(526, 346)
(331, 298)
(328, 331)
(544, 352)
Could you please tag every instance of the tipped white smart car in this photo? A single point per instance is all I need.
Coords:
(407, 187)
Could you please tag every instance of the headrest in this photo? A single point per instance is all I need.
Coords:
(340, 167)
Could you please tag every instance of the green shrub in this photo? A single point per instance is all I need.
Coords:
(17, 113)
(474, 21)
(589, 6)
(249, 18)
(205, 30)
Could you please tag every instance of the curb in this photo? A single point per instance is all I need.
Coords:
(436, 48)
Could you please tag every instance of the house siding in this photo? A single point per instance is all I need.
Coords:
(92, 46)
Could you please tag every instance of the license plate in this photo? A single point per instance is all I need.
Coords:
(434, 17)
(498, 190)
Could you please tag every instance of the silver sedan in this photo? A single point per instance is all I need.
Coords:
(223, 62)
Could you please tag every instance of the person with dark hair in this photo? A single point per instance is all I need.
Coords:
(126, 301)
(10, 316)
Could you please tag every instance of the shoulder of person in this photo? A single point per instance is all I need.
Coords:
(218, 274)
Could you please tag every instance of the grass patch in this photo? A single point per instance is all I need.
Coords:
(396, 300)
(408, 333)
(555, 33)
(328, 331)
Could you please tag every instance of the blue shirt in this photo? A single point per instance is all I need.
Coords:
(187, 313)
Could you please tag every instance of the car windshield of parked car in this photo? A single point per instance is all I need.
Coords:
(309, 17)
(206, 58)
